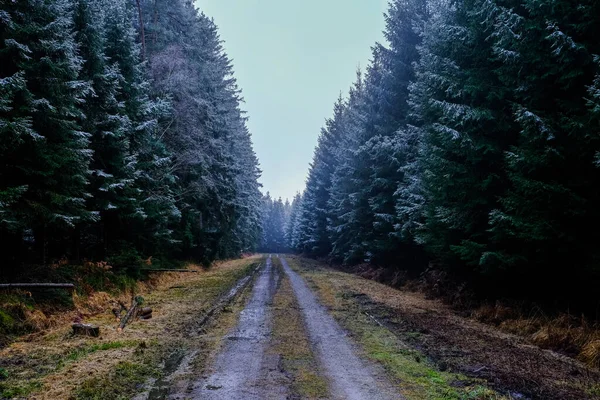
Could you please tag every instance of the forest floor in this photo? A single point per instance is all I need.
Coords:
(435, 353)
(297, 330)
(54, 364)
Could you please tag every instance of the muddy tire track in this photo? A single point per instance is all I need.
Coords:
(243, 369)
(350, 377)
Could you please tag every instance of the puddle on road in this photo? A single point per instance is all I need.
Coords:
(160, 389)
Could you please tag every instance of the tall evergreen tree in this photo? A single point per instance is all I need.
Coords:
(154, 210)
(465, 128)
(316, 197)
(343, 224)
(112, 172)
(46, 151)
(547, 51)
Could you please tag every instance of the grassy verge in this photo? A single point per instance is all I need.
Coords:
(291, 342)
(418, 377)
(55, 364)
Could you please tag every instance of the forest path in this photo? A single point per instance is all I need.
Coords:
(350, 377)
(250, 365)
(243, 369)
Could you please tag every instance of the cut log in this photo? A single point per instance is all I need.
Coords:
(130, 315)
(37, 286)
(168, 270)
(86, 330)
(145, 311)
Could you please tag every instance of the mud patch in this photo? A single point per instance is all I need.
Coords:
(454, 343)
(243, 370)
(350, 377)
(292, 347)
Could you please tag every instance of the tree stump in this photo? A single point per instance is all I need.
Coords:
(86, 330)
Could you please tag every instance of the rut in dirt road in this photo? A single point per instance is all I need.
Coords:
(243, 370)
(350, 377)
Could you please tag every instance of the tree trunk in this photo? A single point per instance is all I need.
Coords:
(37, 286)
(130, 315)
(86, 330)
(155, 34)
(76, 244)
(43, 244)
(142, 35)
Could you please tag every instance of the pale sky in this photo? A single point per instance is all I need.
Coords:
(292, 58)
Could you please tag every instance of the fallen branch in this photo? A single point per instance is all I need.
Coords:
(374, 319)
(145, 311)
(37, 286)
(168, 270)
(130, 314)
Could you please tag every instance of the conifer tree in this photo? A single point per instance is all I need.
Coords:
(343, 223)
(154, 210)
(316, 198)
(547, 50)
(46, 155)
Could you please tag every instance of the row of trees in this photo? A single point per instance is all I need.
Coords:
(275, 219)
(471, 140)
(120, 133)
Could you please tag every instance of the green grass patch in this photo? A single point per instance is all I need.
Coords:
(417, 377)
(120, 384)
(19, 390)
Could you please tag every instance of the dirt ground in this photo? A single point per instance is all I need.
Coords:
(242, 370)
(288, 328)
(350, 376)
(54, 364)
(500, 361)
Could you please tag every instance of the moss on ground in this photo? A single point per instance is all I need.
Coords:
(121, 383)
(290, 341)
(417, 377)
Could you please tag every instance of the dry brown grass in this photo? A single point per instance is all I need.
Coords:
(572, 336)
(54, 364)
(501, 351)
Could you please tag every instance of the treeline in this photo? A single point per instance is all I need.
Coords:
(121, 135)
(275, 218)
(472, 142)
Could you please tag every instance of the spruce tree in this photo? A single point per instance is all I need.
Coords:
(343, 223)
(112, 176)
(44, 148)
(154, 211)
(547, 51)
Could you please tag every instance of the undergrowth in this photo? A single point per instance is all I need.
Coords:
(122, 381)
(28, 311)
(573, 336)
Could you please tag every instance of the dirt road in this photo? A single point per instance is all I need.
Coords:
(293, 328)
(350, 377)
(246, 370)
(243, 370)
